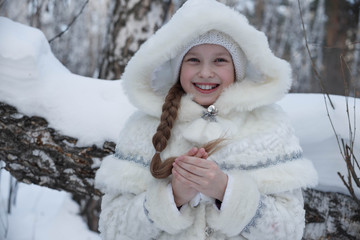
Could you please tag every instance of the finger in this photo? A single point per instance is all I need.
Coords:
(176, 175)
(191, 168)
(186, 177)
(205, 154)
(176, 171)
(192, 152)
(200, 153)
(199, 162)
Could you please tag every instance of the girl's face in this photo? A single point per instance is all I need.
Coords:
(206, 71)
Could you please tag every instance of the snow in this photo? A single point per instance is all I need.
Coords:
(309, 118)
(40, 213)
(94, 110)
(34, 81)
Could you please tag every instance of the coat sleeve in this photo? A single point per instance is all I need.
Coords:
(267, 172)
(278, 216)
(247, 212)
(134, 205)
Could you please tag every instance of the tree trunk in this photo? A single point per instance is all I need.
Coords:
(331, 216)
(340, 42)
(131, 24)
(35, 153)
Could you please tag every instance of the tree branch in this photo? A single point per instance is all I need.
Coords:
(35, 153)
(71, 23)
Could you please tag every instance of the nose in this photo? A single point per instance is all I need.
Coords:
(206, 71)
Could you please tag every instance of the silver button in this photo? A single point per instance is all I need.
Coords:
(212, 110)
(210, 113)
(209, 231)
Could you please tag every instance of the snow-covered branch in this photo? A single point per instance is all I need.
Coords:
(35, 153)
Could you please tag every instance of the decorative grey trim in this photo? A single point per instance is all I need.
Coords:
(131, 158)
(269, 162)
(147, 212)
(209, 117)
(223, 165)
(209, 231)
(257, 215)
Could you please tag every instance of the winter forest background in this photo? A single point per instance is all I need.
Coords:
(96, 38)
(102, 35)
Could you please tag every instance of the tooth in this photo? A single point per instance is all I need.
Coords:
(205, 87)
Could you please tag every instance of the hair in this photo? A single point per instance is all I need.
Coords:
(162, 169)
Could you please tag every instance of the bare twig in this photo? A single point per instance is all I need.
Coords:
(350, 189)
(346, 150)
(350, 165)
(346, 88)
(317, 74)
(352, 138)
(353, 44)
(4, 221)
(333, 128)
(71, 23)
(12, 192)
(350, 158)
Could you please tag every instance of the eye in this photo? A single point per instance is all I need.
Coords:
(192, 59)
(221, 60)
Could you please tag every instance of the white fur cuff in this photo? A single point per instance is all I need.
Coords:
(162, 209)
(240, 203)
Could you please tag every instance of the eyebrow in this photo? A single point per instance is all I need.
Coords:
(223, 53)
(216, 54)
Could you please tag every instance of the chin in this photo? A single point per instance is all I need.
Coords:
(204, 103)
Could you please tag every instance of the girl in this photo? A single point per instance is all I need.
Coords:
(208, 155)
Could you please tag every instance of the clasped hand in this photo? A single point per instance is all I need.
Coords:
(193, 173)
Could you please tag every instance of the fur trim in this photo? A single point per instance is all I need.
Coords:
(268, 77)
(241, 194)
(116, 176)
(118, 215)
(162, 209)
(285, 177)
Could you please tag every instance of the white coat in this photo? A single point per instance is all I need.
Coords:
(262, 157)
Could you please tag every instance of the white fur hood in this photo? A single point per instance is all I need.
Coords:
(267, 80)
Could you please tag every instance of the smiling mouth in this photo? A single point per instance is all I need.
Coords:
(206, 88)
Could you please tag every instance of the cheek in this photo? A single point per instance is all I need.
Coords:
(185, 76)
(228, 77)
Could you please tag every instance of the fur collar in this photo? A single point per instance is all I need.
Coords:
(147, 78)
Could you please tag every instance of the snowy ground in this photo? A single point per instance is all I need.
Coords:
(40, 214)
(34, 81)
